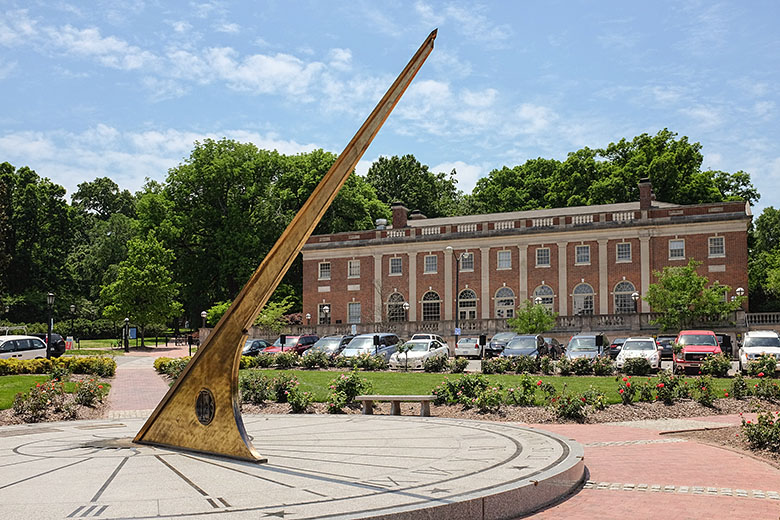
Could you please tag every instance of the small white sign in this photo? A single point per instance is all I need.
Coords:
(354, 329)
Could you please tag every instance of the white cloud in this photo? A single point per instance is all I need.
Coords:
(181, 26)
(110, 51)
(764, 109)
(466, 174)
(703, 116)
(340, 59)
(15, 27)
(6, 68)
(479, 98)
(30, 146)
(534, 118)
(230, 28)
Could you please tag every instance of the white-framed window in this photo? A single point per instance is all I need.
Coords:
(624, 252)
(395, 308)
(431, 264)
(324, 272)
(353, 269)
(624, 304)
(467, 261)
(717, 247)
(504, 260)
(543, 257)
(583, 299)
(547, 295)
(677, 249)
(396, 266)
(581, 255)
(353, 312)
(505, 303)
(467, 305)
(431, 306)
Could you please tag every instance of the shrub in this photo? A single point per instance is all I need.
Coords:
(526, 364)
(627, 389)
(546, 365)
(682, 390)
(548, 389)
(299, 400)
(766, 389)
(765, 364)
(716, 366)
(346, 387)
(89, 392)
(160, 363)
(315, 359)
(665, 388)
(255, 388)
(102, 366)
(525, 393)
(370, 362)
(466, 387)
(568, 407)
(60, 373)
(488, 400)
(704, 391)
(636, 366)
(174, 367)
(646, 392)
(34, 405)
(564, 366)
(344, 362)
(595, 398)
(582, 366)
(281, 386)
(247, 362)
(603, 366)
(499, 365)
(435, 364)
(286, 360)
(764, 434)
(739, 388)
(458, 365)
(264, 360)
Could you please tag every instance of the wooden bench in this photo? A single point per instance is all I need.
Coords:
(395, 403)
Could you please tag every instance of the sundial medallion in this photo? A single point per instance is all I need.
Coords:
(205, 407)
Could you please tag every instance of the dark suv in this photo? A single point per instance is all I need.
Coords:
(57, 343)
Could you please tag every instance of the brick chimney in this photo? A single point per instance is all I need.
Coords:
(645, 194)
(399, 215)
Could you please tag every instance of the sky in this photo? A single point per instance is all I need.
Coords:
(123, 89)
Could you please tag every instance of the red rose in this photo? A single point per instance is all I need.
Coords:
(760, 374)
(539, 383)
(628, 385)
(621, 390)
(625, 379)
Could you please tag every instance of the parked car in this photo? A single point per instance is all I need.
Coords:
(330, 345)
(364, 344)
(468, 346)
(755, 343)
(696, 345)
(590, 345)
(419, 351)
(57, 343)
(297, 344)
(724, 340)
(253, 347)
(497, 343)
(425, 335)
(527, 345)
(665, 342)
(640, 348)
(614, 348)
(556, 349)
(22, 347)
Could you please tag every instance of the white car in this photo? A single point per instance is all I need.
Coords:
(21, 347)
(758, 342)
(640, 347)
(419, 351)
(468, 346)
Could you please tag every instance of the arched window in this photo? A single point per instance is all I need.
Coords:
(505, 303)
(395, 308)
(583, 299)
(623, 302)
(547, 295)
(431, 306)
(467, 305)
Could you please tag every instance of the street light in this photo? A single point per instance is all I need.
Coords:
(458, 258)
(405, 306)
(635, 297)
(203, 315)
(127, 334)
(72, 312)
(326, 312)
(308, 318)
(538, 300)
(50, 302)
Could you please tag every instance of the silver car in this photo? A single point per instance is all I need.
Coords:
(418, 351)
(468, 346)
(364, 344)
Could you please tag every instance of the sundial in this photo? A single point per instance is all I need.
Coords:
(319, 466)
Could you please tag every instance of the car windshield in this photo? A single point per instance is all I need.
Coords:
(584, 343)
(524, 343)
(290, 341)
(698, 339)
(361, 343)
(248, 344)
(417, 346)
(762, 342)
(503, 336)
(639, 345)
(326, 344)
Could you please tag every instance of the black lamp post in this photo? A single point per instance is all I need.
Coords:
(308, 318)
(635, 298)
(72, 312)
(50, 302)
(326, 312)
(406, 307)
(203, 315)
(127, 334)
(457, 289)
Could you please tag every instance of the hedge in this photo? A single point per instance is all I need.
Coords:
(103, 366)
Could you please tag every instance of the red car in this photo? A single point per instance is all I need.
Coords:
(696, 345)
(297, 344)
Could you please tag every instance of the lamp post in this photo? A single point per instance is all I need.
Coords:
(203, 315)
(457, 289)
(326, 312)
(127, 334)
(538, 300)
(406, 308)
(72, 312)
(50, 302)
(635, 298)
(308, 318)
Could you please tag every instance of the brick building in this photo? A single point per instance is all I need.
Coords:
(581, 261)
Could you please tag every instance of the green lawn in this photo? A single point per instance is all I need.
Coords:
(94, 352)
(12, 385)
(407, 383)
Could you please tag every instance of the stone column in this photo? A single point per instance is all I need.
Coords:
(603, 279)
(412, 287)
(644, 267)
(563, 288)
(484, 262)
(522, 272)
(449, 261)
(377, 288)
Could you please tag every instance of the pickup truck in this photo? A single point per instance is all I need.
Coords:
(696, 345)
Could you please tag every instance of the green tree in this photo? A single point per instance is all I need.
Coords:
(764, 261)
(143, 290)
(103, 198)
(683, 297)
(271, 316)
(532, 319)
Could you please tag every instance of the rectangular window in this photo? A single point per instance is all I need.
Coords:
(431, 264)
(624, 252)
(717, 247)
(505, 260)
(396, 266)
(324, 270)
(353, 269)
(582, 255)
(677, 250)
(467, 261)
(353, 312)
(543, 257)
